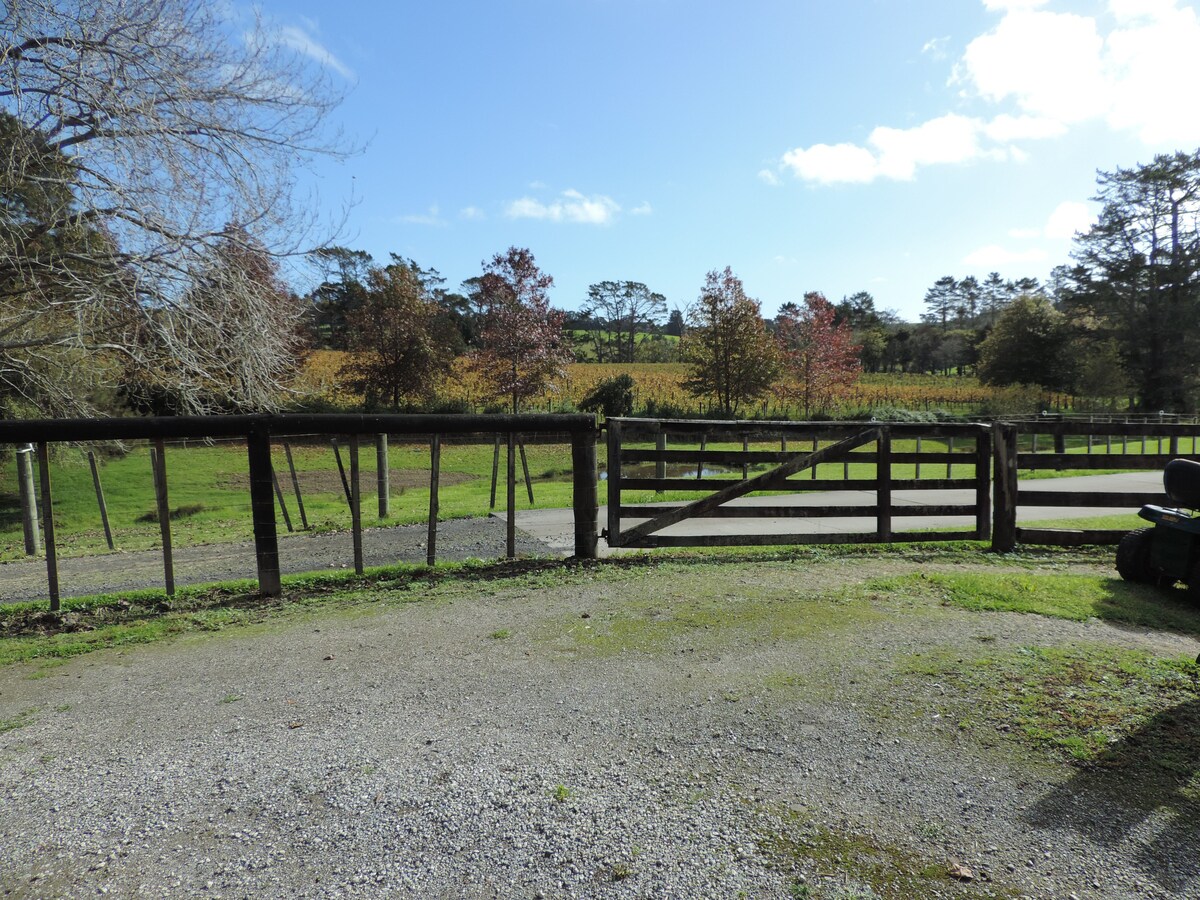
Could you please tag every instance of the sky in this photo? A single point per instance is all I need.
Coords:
(863, 145)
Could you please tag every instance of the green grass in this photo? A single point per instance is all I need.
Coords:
(1095, 705)
(1063, 596)
(876, 870)
(20, 720)
(210, 500)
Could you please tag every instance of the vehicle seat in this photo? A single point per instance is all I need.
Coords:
(1181, 479)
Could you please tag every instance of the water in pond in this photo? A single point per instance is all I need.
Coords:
(672, 470)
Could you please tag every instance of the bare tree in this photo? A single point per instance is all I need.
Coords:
(142, 137)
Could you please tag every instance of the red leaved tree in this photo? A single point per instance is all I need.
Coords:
(820, 359)
(523, 348)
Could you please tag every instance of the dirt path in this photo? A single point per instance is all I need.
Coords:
(697, 730)
(458, 539)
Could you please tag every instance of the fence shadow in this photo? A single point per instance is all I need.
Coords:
(10, 510)
(1145, 789)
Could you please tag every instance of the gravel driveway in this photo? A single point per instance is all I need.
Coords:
(555, 736)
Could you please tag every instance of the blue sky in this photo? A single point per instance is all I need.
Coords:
(862, 145)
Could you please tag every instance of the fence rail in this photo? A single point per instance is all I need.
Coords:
(258, 432)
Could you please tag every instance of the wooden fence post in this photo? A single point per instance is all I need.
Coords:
(883, 484)
(435, 467)
(43, 453)
(660, 464)
(613, 499)
(983, 483)
(287, 450)
(100, 499)
(337, 454)
(495, 472)
(1004, 512)
(355, 506)
(525, 469)
(287, 519)
(158, 460)
(383, 476)
(262, 511)
(29, 510)
(584, 493)
(510, 486)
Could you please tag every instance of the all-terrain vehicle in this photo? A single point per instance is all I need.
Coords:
(1170, 551)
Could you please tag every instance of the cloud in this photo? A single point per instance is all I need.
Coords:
(430, 217)
(894, 153)
(1137, 76)
(936, 47)
(642, 209)
(571, 206)
(766, 176)
(993, 256)
(304, 43)
(472, 214)
(1037, 73)
(1068, 218)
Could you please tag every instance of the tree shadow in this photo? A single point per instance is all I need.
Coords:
(1144, 790)
(1126, 604)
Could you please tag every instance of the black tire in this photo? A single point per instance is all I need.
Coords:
(1133, 556)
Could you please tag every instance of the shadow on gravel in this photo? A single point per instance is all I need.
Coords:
(1153, 772)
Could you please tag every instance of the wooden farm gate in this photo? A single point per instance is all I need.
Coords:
(803, 457)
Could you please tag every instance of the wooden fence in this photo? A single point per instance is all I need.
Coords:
(258, 431)
(1047, 444)
(804, 449)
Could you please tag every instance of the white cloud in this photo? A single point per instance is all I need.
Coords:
(1041, 72)
(431, 217)
(766, 176)
(642, 209)
(1068, 218)
(936, 47)
(304, 43)
(830, 164)
(993, 256)
(472, 214)
(571, 206)
(1136, 77)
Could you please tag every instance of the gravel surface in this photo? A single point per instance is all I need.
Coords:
(458, 539)
(475, 744)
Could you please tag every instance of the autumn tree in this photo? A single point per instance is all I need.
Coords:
(731, 357)
(1138, 273)
(820, 359)
(523, 351)
(169, 123)
(401, 343)
(619, 310)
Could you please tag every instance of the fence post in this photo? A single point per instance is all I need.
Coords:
(660, 464)
(983, 483)
(356, 505)
(29, 512)
(584, 492)
(43, 452)
(100, 499)
(435, 469)
(383, 476)
(510, 487)
(883, 484)
(1004, 512)
(613, 499)
(262, 509)
(158, 459)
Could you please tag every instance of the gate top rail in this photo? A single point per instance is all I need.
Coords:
(21, 431)
(763, 428)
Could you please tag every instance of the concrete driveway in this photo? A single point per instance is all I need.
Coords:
(555, 527)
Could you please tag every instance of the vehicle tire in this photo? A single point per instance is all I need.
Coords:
(1133, 556)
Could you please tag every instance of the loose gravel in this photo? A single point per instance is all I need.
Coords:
(471, 745)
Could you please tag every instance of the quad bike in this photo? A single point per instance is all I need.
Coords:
(1170, 551)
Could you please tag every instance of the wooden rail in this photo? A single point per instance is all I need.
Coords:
(656, 443)
(259, 431)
